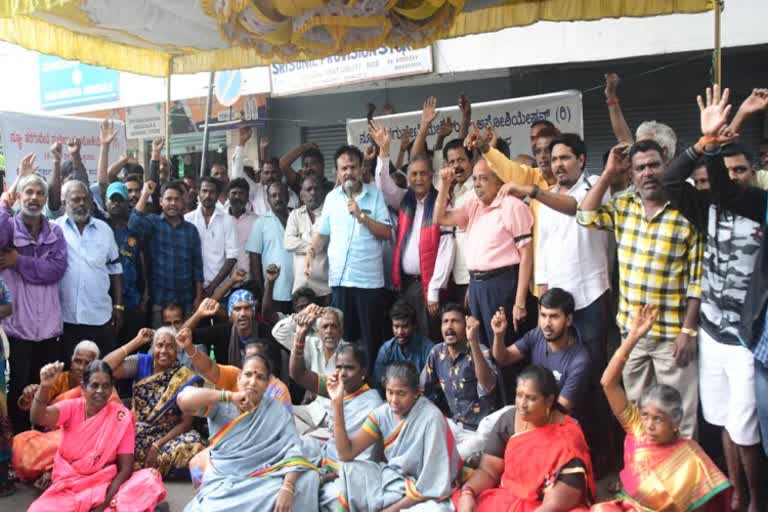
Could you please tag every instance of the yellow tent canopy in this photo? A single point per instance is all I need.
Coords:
(164, 37)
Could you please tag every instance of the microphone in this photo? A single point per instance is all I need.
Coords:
(347, 187)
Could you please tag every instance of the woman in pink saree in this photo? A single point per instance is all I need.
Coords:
(93, 467)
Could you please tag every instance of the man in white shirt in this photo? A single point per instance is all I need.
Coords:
(218, 238)
(237, 200)
(270, 172)
(298, 237)
(424, 252)
(456, 156)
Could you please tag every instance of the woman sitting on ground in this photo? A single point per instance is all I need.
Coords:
(535, 456)
(33, 450)
(165, 439)
(661, 471)
(420, 452)
(93, 468)
(359, 401)
(255, 454)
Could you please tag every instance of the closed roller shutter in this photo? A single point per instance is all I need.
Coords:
(328, 138)
(683, 118)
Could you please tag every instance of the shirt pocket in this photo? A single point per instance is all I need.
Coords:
(96, 252)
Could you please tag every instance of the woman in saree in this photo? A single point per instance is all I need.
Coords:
(165, 439)
(93, 468)
(535, 456)
(256, 463)
(359, 400)
(421, 458)
(33, 450)
(662, 471)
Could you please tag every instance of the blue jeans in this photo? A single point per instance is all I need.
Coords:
(761, 394)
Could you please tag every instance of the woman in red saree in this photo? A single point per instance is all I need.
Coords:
(93, 467)
(662, 472)
(545, 464)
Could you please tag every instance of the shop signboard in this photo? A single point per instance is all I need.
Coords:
(145, 121)
(66, 83)
(28, 133)
(510, 118)
(355, 67)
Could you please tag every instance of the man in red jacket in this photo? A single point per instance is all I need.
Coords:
(424, 251)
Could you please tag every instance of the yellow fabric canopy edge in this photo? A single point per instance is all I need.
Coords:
(51, 39)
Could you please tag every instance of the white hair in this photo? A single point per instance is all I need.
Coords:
(71, 184)
(30, 180)
(336, 312)
(662, 134)
(86, 346)
(166, 330)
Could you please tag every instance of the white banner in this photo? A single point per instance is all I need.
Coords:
(355, 67)
(511, 118)
(28, 133)
(145, 122)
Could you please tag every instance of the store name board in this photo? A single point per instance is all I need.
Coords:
(65, 83)
(355, 67)
(145, 122)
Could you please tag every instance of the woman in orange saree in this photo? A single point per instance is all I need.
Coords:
(93, 468)
(546, 463)
(662, 472)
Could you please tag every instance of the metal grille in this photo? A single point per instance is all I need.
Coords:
(328, 138)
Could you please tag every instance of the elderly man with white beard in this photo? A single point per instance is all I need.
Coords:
(93, 267)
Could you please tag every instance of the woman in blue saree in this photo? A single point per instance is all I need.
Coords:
(422, 463)
(165, 439)
(256, 463)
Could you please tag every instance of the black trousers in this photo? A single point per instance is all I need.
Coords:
(364, 317)
(102, 335)
(26, 359)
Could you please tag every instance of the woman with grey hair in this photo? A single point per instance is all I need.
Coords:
(662, 470)
(165, 439)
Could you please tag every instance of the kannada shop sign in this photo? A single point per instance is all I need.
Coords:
(355, 67)
(145, 122)
(65, 83)
(511, 119)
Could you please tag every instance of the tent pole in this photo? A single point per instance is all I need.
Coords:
(718, 57)
(205, 128)
(168, 117)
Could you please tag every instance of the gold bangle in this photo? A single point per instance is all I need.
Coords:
(119, 307)
(125, 352)
(690, 332)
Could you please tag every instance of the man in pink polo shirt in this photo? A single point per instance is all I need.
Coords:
(498, 247)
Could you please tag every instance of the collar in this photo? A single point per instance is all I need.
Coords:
(462, 352)
(637, 199)
(68, 220)
(22, 237)
(468, 185)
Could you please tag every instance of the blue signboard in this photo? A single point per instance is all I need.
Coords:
(227, 86)
(65, 83)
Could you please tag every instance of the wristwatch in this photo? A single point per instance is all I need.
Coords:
(361, 217)
(690, 332)
(534, 192)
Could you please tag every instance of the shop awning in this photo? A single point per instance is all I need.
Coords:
(163, 37)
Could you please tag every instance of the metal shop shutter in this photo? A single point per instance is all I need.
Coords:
(328, 138)
(683, 118)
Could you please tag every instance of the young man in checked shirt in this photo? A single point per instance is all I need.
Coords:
(660, 254)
